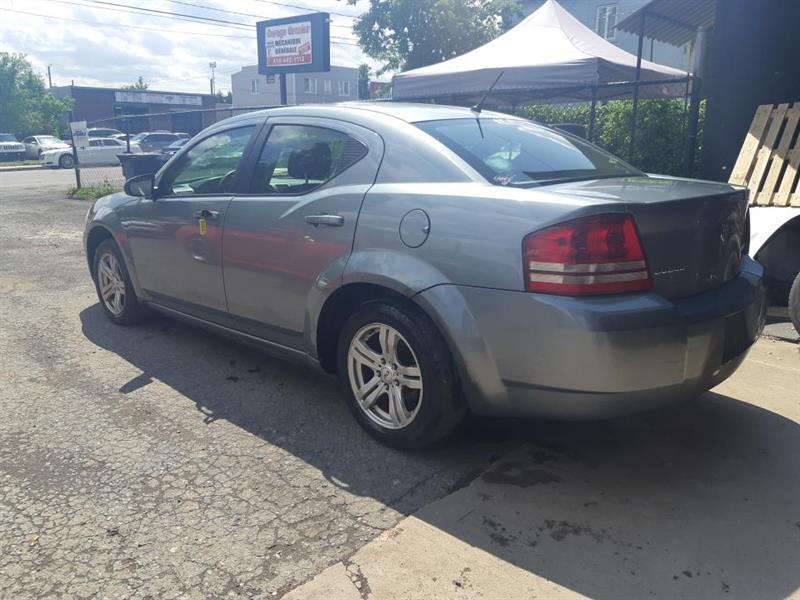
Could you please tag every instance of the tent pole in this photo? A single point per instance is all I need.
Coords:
(593, 113)
(635, 108)
(694, 105)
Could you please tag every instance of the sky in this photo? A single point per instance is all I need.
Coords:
(98, 42)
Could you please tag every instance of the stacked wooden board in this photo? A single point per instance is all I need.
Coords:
(769, 161)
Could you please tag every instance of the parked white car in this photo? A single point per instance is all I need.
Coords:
(10, 148)
(36, 144)
(100, 151)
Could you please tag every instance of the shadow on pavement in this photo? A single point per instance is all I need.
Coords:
(698, 500)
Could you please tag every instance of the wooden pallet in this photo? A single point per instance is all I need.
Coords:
(769, 161)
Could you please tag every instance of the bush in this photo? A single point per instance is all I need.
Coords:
(93, 192)
(660, 132)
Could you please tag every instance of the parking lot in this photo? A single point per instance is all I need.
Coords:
(163, 461)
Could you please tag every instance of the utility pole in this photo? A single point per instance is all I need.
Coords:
(49, 77)
(213, 65)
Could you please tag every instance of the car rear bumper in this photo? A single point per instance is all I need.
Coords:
(554, 356)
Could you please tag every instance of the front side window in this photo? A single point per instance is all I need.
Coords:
(96, 142)
(297, 159)
(606, 22)
(344, 88)
(209, 167)
(522, 154)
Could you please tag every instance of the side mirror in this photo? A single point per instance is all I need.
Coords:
(141, 186)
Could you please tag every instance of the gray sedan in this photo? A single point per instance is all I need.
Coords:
(438, 260)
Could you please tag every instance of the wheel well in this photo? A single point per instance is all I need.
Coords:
(96, 237)
(780, 257)
(337, 309)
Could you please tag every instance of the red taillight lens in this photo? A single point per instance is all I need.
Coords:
(594, 255)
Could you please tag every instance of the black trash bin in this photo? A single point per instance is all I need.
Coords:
(140, 164)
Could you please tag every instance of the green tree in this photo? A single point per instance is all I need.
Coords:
(26, 106)
(363, 81)
(224, 98)
(406, 34)
(139, 84)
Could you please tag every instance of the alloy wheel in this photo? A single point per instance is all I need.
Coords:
(111, 283)
(385, 376)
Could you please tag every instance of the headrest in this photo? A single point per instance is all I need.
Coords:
(311, 163)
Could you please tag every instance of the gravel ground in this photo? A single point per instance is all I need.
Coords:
(163, 461)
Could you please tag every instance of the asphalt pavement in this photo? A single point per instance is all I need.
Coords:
(62, 179)
(165, 462)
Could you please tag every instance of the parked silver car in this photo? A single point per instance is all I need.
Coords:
(439, 260)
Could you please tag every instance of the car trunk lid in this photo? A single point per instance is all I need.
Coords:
(694, 233)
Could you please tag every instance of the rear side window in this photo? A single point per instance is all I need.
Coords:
(297, 159)
(522, 154)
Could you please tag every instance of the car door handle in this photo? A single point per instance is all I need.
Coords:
(329, 220)
(206, 214)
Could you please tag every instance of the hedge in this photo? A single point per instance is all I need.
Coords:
(660, 131)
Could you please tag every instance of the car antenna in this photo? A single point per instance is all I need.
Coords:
(477, 107)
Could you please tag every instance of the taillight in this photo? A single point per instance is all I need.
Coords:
(593, 255)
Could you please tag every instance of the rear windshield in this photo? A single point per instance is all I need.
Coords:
(520, 153)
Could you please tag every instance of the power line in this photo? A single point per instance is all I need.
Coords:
(234, 12)
(143, 28)
(120, 26)
(306, 8)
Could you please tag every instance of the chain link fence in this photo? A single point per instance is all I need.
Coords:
(97, 167)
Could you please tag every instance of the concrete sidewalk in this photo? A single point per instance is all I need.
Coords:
(700, 500)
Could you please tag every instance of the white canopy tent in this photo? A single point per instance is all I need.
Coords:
(550, 56)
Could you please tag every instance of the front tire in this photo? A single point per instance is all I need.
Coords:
(398, 376)
(794, 303)
(66, 161)
(113, 284)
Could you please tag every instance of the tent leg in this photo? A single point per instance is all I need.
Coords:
(635, 108)
(593, 114)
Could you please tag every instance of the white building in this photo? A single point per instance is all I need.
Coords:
(249, 88)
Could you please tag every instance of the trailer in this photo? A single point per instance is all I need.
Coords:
(768, 165)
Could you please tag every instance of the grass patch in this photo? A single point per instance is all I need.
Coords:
(93, 192)
(19, 163)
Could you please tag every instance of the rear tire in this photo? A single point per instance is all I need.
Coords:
(113, 284)
(408, 396)
(794, 303)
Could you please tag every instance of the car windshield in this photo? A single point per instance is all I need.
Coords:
(519, 153)
(138, 137)
(7, 137)
(49, 139)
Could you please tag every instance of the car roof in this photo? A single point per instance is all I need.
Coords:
(405, 111)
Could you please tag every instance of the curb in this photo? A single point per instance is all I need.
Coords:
(21, 168)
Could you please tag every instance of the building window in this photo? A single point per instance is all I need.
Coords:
(607, 21)
(254, 87)
(344, 88)
(310, 85)
(328, 87)
(270, 78)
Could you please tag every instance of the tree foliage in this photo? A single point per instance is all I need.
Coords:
(26, 106)
(660, 143)
(363, 81)
(139, 84)
(406, 34)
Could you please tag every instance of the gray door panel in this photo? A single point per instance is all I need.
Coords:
(175, 260)
(273, 256)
